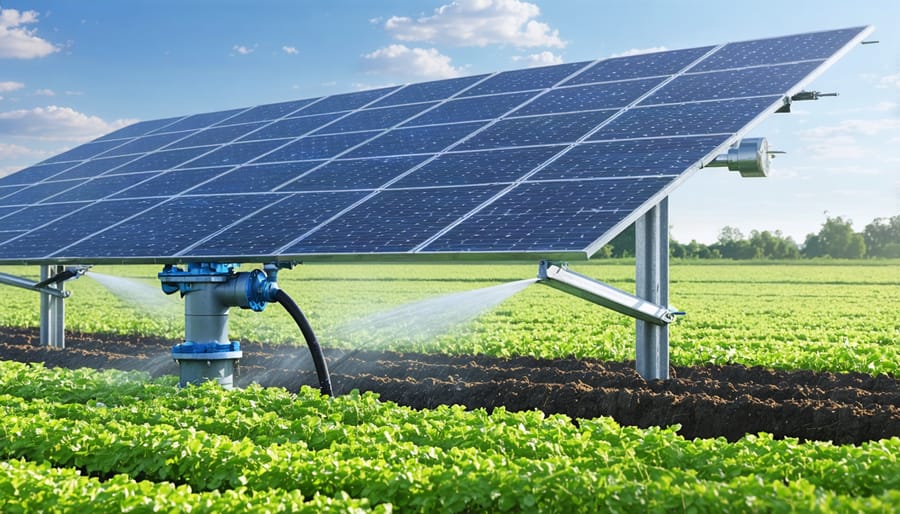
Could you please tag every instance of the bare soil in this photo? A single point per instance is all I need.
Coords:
(707, 401)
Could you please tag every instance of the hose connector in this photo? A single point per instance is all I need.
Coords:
(247, 289)
(253, 290)
(260, 287)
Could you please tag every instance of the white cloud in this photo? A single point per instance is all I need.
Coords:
(857, 168)
(9, 86)
(74, 93)
(890, 81)
(838, 148)
(12, 151)
(849, 139)
(362, 86)
(855, 127)
(44, 92)
(640, 51)
(478, 23)
(19, 42)
(55, 123)
(401, 60)
(880, 107)
(291, 50)
(242, 50)
(6, 170)
(544, 58)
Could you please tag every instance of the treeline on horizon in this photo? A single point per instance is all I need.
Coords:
(880, 239)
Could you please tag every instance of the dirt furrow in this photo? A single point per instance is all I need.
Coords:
(707, 401)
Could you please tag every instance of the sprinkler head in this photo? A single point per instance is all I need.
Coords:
(71, 272)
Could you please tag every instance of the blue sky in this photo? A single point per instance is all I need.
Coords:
(71, 71)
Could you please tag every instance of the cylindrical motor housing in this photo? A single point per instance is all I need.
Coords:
(208, 292)
(205, 315)
(750, 157)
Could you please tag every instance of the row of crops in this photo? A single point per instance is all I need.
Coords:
(114, 441)
(820, 316)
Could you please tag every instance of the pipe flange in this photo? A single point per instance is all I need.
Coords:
(207, 351)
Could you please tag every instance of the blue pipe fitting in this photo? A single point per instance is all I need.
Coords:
(207, 351)
(259, 290)
(248, 290)
(201, 362)
(175, 279)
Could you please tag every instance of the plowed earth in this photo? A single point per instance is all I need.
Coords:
(706, 401)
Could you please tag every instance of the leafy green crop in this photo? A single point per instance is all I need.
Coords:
(114, 441)
(31, 487)
(820, 316)
(261, 443)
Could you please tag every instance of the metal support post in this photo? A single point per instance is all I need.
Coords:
(652, 285)
(53, 310)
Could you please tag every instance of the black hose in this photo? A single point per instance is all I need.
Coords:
(311, 341)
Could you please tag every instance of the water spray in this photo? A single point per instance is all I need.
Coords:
(422, 320)
(135, 293)
(209, 290)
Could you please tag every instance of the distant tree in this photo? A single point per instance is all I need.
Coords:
(708, 252)
(732, 245)
(812, 247)
(857, 247)
(730, 234)
(774, 245)
(788, 249)
(836, 239)
(695, 250)
(763, 242)
(605, 252)
(623, 244)
(882, 237)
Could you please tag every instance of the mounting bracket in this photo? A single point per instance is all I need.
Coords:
(648, 306)
(52, 290)
(559, 276)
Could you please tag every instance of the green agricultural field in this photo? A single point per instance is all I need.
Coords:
(115, 441)
(821, 316)
(151, 447)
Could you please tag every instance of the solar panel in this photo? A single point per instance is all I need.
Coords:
(546, 162)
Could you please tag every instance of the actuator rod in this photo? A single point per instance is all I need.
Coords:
(558, 276)
(24, 283)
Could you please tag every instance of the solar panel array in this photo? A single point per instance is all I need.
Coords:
(551, 161)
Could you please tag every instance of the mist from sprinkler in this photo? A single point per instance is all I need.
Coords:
(136, 293)
(418, 321)
(145, 298)
(422, 320)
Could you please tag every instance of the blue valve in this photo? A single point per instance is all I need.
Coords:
(248, 290)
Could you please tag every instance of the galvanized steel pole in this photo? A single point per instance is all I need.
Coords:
(53, 310)
(652, 284)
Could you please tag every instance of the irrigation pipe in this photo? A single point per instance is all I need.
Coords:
(311, 341)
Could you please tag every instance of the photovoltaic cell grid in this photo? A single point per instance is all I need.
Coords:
(543, 161)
